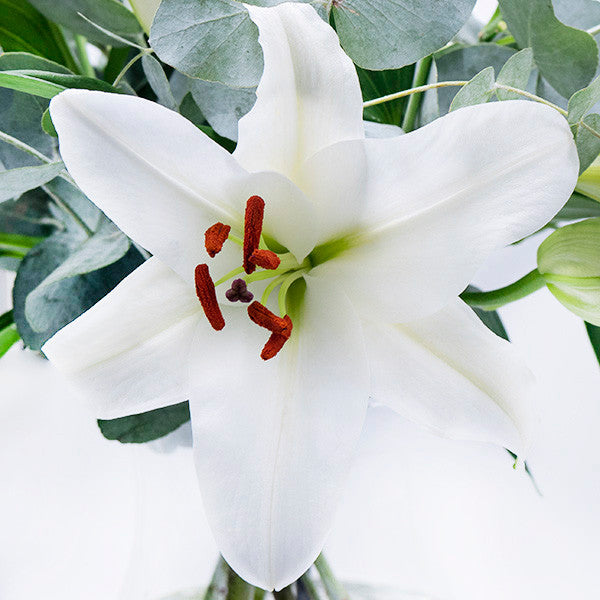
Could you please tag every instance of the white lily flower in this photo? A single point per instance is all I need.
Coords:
(380, 236)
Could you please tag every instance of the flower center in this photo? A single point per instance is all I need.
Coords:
(283, 270)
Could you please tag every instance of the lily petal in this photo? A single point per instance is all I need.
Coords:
(450, 373)
(309, 96)
(155, 174)
(297, 417)
(440, 199)
(129, 352)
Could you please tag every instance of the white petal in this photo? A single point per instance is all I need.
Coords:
(440, 199)
(130, 352)
(155, 174)
(273, 440)
(450, 373)
(309, 96)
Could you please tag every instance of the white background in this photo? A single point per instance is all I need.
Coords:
(84, 518)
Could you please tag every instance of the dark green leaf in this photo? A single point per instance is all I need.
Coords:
(48, 125)
(578, 207)
(566, 57)
(72, 296)
(14, 182)
(30, 215)
(104, 248)
(145, 427)
(594, 335)
(478, 91)
(8, 337)
(24, 29)
(389, 34)
(6, 319)
(13, 61)
(109, 14)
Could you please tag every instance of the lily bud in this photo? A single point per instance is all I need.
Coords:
(588, 182)
(569, 261)
(145, 10)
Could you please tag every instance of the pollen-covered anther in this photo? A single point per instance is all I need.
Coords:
(276, 341)
(262, 316)
(253, 222)
(265, 259)
(205, 290)
(215, 237)
(239, 292)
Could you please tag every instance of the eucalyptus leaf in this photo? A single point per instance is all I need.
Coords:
(582, 14)
(12, 61)
(515, 73)
(71, 297)
(594, 335)
(588, 143)
(14, 182)
(222, 106)
(566, 57)
(578, 207)
(104, 248)
(478, 91)
(30, 215)
(158, 81)
(109, 14)
(214, 40)
(76, 202)
(389, 34)
(145, 427)
(25, 29)
(582, 102)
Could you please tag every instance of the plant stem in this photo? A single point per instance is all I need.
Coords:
(81, 45)
(594, 30)
(525, 94)
(416, 90)
(68, 210)
(130, 64)
(414, 102)
(494, 299)
(332, 586)
(590, 129)
(285, 594)
(310, 587)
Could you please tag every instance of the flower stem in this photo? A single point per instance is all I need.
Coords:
(594, 30)
(332, 586)
(494, 299)
(414, 102)
(84, 61)
(130, 64)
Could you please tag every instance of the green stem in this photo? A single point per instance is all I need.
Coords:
(285, 594)
(586, 126)
(332, 586)
(129, 65)
(81, 45)
(515, 291)
(416, 90)
(594, 30)
(525, 94)
(414, 102)
(259, 594)
(310, 587)
(285, 286)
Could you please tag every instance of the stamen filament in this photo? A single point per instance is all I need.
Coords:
(229, 275)
(260, 275)
(285, 286)
(236, 240)
(269, 289)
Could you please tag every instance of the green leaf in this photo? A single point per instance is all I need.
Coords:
(145, 427)
(478, 91)
(566, 57)
(158, 81)
(23, 28)
(18, 243)
(582, 14)
(214, 40)
(594, 335)
(515, 73)
(109, 14)
(582, 102)
(6, 319)
(104, 248)
(375, 84)
(14, 61)
(578, 207)
(222, 106)
(48, 85)
(72, 296)
(16, 181)
(8, 337)
(389, 34)
(30, 215)
(463, 64)
(48, 125)
(588, 143)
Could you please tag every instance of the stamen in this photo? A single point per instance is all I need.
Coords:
(276, 341)
(205, 290)
(215, 237)
(239, 291)
(265, 259)
(263, 317)
(255, 210)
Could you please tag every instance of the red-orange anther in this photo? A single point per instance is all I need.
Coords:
(215, 237)
(255, 210)
(205, 290)
(276, 341)
(265, 259)
(262, 316)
